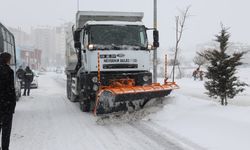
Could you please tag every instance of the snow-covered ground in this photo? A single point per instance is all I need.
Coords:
(192, 115)
(187, 120)
(48, 121)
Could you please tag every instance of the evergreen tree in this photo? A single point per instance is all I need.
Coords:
(221, 73)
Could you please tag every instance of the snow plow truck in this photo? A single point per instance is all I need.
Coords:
(108, 63)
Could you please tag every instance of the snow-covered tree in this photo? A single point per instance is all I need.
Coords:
(221, 72)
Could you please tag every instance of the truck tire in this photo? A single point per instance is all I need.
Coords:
(68, 87)
(70, 95)
(73, 97)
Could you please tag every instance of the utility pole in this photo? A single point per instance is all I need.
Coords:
(155, 50)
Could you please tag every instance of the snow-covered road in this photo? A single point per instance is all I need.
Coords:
(187, 120)
(48, 121)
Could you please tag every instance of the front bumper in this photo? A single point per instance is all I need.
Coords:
(87, 84)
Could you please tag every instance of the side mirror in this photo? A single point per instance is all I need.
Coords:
(77, 35)
(78, 45)
(156, 43)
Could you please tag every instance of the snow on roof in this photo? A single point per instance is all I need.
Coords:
(109, 13)
(139, 23)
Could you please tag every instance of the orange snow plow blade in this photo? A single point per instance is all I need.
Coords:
(119, 97)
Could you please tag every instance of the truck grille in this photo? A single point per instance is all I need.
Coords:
(120, 66)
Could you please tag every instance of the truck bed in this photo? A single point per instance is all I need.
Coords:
(83, 16)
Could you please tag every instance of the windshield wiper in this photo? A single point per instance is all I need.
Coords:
(120, 47)
(116, 47)
(134, 47)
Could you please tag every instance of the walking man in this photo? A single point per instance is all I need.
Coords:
(196, 73)
(20, 73)
(28, 78)
(7, 99)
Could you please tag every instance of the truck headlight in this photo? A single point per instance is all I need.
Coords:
(94, 79)
(145, 78)
(91, 46)
(150, 47)
(95, 87)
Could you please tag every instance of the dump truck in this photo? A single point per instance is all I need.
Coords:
(108, 62)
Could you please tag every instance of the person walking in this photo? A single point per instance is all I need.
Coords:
(20, 73)
(196, 73)
(28, 78)
(7, 99)
(201, 75)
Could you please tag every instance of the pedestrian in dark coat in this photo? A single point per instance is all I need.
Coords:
(28, 78)
(7, 99)
(196, 73)
(20, 73)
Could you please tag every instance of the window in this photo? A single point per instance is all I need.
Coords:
(3, 33)
(1, 46)
(11, 51)
(5, 46)
(118, 36)
(142, 37)
(9, 48)
(7, 37)
(1, 40)
(11, 40)
(7, 43)
(85, 39)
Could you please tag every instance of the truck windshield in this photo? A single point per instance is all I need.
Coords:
(118, 37)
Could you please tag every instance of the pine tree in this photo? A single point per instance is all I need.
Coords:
(221, 73)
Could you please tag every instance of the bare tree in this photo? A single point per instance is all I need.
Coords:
(180, 24)
(178, 62)
(199, 60)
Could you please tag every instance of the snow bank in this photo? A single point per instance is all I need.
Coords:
(192, 115)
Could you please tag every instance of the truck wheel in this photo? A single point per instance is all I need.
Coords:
(70, 95)
(73, 97)
(68, 87)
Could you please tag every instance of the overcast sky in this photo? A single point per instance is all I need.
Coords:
(200, 28)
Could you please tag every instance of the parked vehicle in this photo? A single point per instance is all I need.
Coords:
(59, 70)
(34, 83)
